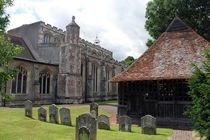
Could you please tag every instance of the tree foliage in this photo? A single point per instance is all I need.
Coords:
(129, 60)
(159, 14)
(7, 51)
(199, 86)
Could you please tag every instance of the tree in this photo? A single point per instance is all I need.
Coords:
(7, 51)
(159, 14)
(199, 86)
(129, 60)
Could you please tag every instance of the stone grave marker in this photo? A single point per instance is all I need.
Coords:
(28, 108)
(53, 113)
(94, 107)
(86, 127)
(148, 125)
(103, 122)
(65, 116)
(125, 123)
(42, 114)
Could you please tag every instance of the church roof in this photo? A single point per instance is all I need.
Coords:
(17, 40)
(170, 57)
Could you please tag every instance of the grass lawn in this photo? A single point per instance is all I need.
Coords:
(15, 126)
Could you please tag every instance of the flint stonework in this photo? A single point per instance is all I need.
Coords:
(94, 106)
(65, 116)
(53, 113)
(86, 127)
(103, 122)
(28, 108)
(125, 123)
(42, 114)
(148, 125)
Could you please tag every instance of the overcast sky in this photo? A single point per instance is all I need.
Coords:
(119, 24)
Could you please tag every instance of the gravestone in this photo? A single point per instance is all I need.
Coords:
(103, 122)
(94, 107)
(125, 123)
(148, 125)
(42, 114)
(53, 113)
(86, 127)
(28, 108)
(65, 116)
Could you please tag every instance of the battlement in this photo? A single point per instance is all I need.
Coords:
(52, 28)
(97, 47)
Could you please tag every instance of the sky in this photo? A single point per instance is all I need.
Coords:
(119, 24)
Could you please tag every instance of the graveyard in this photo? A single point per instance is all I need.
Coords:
(15, 125)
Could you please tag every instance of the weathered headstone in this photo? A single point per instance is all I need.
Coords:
(53, 113)
(42, 114)
(125, 123)
(148, 125)
(86, 127)
(94, 107)
(103, 122)
(28, 108)
(65, 116)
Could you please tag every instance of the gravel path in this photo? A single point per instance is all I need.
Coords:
(181, 135)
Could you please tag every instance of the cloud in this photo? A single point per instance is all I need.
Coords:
(118, 23)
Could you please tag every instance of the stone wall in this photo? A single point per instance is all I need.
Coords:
(33, 87)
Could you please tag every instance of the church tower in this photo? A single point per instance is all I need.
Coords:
(69, 77)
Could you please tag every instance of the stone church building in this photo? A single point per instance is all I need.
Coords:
(59, 67)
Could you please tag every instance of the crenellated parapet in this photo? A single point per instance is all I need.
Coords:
(96, 51)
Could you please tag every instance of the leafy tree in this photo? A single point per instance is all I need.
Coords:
(199, 86)
(7, 51)
(129, 60)
(159, 14)
(150, 42)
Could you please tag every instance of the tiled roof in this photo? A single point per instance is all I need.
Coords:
(170, 57)
(17, 40)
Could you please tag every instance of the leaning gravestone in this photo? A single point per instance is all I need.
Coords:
(53, 113)
(28, 108)
(42, 114)
(94, 109)
(65, 116)
(125, 123)
(148, 125)
(86, 127)
(103, 122)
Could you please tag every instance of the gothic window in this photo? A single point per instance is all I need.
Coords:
(20, 82)
(95, 77)
(46, 38)
(56, 40)
(107, 80)
(44, 81)
(81, 69)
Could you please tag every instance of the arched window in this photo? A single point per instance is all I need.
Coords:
(46, 38)
(20, 82)
(56, 40)
(95, 77)
(44, 81)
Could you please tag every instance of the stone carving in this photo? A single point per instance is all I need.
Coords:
(65, 116)
(86, 127)
(148, 125)
(28, 108)
(42, 114)
(94, 106)
(103, 122)
(53, 113)
(125, 123)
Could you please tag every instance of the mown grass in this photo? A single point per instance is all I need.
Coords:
(15, 126)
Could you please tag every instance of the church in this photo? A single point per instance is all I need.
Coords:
(59, 67)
